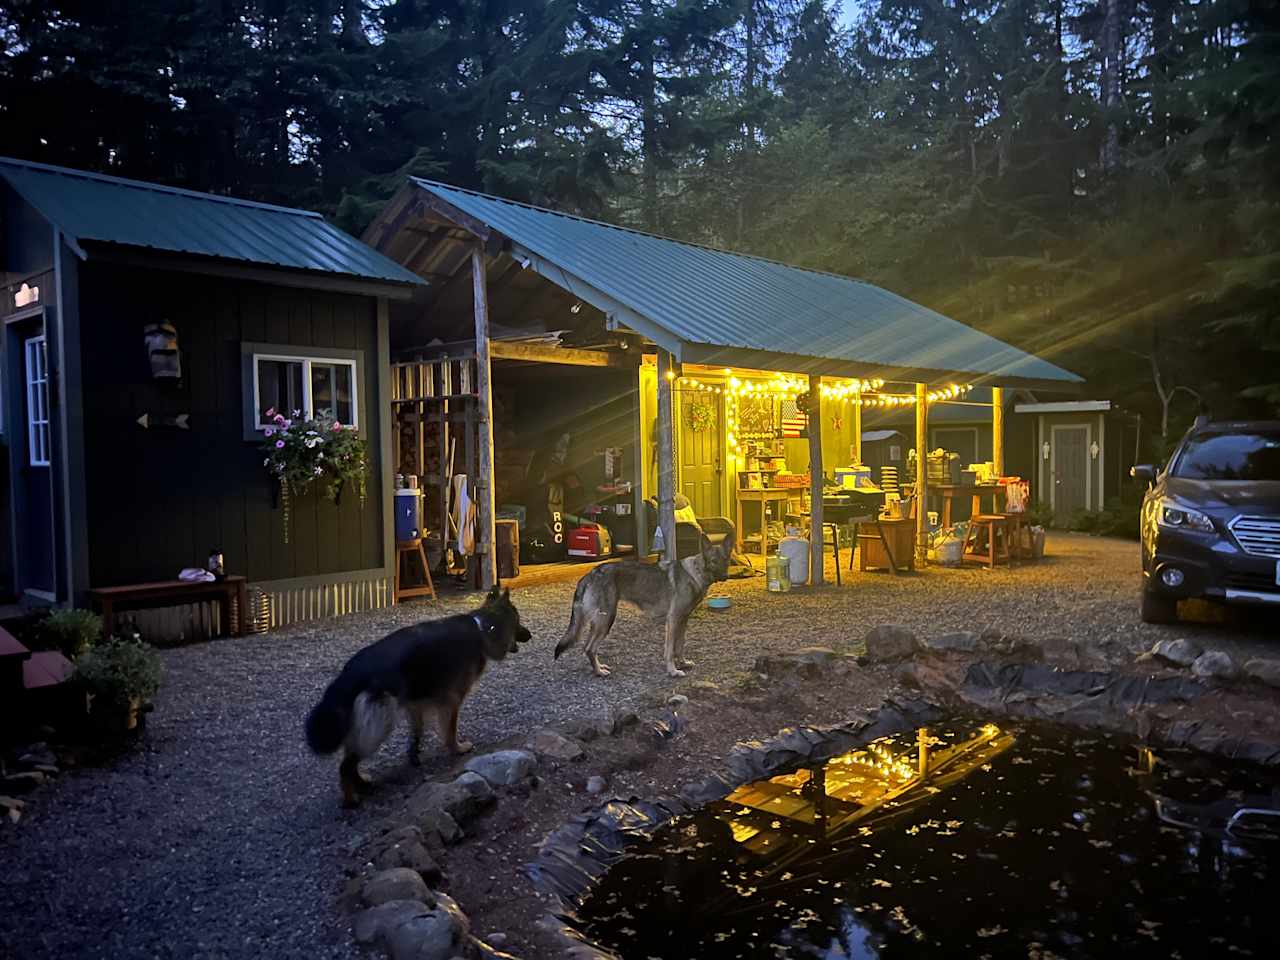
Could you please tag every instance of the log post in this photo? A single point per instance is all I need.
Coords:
(857, 426)
(666, 465)
(486, 539)
(922, 476)
(816, 532)
(997, 430)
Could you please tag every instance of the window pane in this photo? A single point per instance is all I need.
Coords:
(331, 391)
(279, 387)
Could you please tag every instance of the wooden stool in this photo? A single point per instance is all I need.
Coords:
(1018, 530)
(399, 590)
(996, 529)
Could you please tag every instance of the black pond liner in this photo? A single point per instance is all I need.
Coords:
(1025, 840)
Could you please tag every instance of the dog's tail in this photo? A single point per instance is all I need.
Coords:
(574, 630)
(329, 722)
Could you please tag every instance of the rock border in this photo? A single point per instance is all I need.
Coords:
(575, 856)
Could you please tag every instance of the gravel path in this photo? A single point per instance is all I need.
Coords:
(220, 835)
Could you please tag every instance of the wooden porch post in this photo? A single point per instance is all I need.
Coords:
(857, 425)
(816, 532)
(666, 466)
(922, 476)
(486, 539)
(997, 430)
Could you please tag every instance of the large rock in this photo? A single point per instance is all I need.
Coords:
(889, 642)
(962, 641)
(405, 848)
(805, 662)
(1215, 665)
(398, 883)
(551, 744)
(504, 768)
(440, 934)
(1264, 671)
(1180, 652)
(459, 801)
(375, 924)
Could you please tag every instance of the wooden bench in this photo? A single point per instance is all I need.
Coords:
(169, 593)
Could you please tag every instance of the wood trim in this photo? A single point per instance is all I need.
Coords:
(278, 276)
(71, 462)
(742, 357)
(1102, 461)
(441, 207)
(568, 356)
(385, 437)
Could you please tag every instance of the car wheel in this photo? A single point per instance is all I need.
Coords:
(1158, 609)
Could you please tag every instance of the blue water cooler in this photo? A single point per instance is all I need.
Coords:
(408, 511)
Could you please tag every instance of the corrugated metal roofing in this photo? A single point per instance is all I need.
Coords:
(93, 207)
(712, 297)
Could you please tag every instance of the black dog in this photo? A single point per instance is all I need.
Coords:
(430, 666)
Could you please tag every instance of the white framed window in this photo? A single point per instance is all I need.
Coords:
(314, 386)
(37, 376)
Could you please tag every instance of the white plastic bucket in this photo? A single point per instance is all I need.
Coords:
(949, 552)
(795, 550)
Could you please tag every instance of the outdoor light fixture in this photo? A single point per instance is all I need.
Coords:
(576, 308)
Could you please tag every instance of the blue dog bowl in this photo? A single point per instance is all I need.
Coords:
(718, 603)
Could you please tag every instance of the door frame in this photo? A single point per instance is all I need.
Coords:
(1087, 427)
(13, 407)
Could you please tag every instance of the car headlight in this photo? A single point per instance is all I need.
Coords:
(1171, 513)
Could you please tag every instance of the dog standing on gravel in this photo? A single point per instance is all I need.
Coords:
(431, 666)
(647, 586)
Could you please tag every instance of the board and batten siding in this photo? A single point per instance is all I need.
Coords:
(160, 498)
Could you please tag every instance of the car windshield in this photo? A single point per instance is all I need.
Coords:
(1244, 455)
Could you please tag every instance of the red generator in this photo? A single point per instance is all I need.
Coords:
(590, 541)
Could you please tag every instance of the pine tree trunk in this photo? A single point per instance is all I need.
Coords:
(1111, 68)
(649, 132)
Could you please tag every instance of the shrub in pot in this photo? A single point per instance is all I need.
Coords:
(119, 675)
(72, 632)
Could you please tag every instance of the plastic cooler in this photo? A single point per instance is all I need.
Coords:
(408, 512)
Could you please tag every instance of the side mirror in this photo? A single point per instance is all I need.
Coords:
(1143, 474)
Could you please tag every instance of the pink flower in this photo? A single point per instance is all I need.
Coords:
(270, 431)
(279, 444)
(279, 418)
(287, 424)
(271, 411)
(337, 425)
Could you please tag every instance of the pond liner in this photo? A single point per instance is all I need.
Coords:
(576, 855)
(1109, 701)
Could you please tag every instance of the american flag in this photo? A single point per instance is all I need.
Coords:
(794, 420)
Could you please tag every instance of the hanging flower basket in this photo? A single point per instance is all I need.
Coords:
(298, 453)
(699, 416)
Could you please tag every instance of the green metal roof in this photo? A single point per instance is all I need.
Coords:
(716, 298)
(90, 207)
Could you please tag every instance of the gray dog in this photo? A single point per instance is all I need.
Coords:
(595, 602)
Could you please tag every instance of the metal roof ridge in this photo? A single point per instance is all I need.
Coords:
(422, 181)
(156, 187)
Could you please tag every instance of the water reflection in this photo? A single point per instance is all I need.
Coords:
(964, 839)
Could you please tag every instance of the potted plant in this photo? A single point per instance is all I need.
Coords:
(299, 452)
(119, 676)
(72, 632)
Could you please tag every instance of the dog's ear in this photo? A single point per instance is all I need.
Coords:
(729, 542)
(506, 594)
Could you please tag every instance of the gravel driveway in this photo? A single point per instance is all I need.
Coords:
(220, 835)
